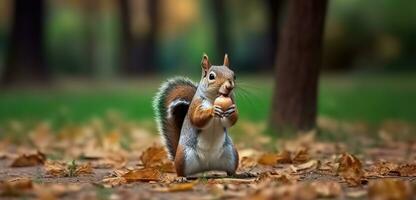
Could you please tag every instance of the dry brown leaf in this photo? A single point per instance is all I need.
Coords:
(287, 192)
(111, 160)
(54, 191)
(273, 159)
(156, 157)
(60, 169)
(283, 178)
(389, 189)
(153, 156)
(405, 170)
(113, 181)
(84, 169)
(328, 167)
(247, 163)
(388, 168)
(356, 194)
(350, 169)
(327, 189)
(144, 175)
(56, 169)
(26, 160)
(177, 187)
(301, 156)
(311, 165)
(380, 169)
(15, 187)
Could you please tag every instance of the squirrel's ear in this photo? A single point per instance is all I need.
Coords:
(226, 61)
(205, 64)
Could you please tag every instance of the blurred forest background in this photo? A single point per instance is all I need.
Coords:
(98, 56)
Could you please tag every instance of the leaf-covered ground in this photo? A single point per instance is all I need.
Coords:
(126, 161)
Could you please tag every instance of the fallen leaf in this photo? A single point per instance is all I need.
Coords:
(113, 181)
(283, 178)
(247, 163)
(273, 159)
(356, 194)
(156, 157)
(54, 191)
(311, 165)
(327, 189)
(177, 187)
(380, 169)
(15, 187)
(153, 156)
(389, 189)
(145, 175)
(350, 169)
(301, 156)
(287, 192)
(60, 169)
(328, 167)
(84, 169)
(26, 160)
(405, 170)
(56, 169)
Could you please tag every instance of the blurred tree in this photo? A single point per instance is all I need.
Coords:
(220, 21)
(138, 49)
(274, 8)
(298, 64)
(91, 13)
(25, 51)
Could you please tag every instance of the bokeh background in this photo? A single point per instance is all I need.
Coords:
(92, 59)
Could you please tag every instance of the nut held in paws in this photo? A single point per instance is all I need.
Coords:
(223, 102)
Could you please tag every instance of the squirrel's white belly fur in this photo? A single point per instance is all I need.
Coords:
(210, 151)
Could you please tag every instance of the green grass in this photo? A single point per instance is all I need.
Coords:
(355, 98)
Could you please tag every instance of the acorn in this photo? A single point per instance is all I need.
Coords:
(223, 102)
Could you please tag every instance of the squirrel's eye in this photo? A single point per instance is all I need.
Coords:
(212, 76)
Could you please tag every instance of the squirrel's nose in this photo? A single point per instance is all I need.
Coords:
(229, 86)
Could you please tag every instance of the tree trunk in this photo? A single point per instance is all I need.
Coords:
(25, 55)
(91, 14)
(126, 37)
(274, 10)
(138, 53)
(220, 21)
(298, 65)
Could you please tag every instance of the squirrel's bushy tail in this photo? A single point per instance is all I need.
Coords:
(171, 104)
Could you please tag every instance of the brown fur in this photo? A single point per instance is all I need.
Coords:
(198, 115)
(236, 158)
(180, 161)
(174, 126)
(233, 117)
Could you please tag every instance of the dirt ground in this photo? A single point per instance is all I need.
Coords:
(84, 164)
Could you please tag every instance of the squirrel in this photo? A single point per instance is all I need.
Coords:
(193, 128)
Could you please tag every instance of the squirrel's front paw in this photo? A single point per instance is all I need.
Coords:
(218, 111)
(229, 111)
